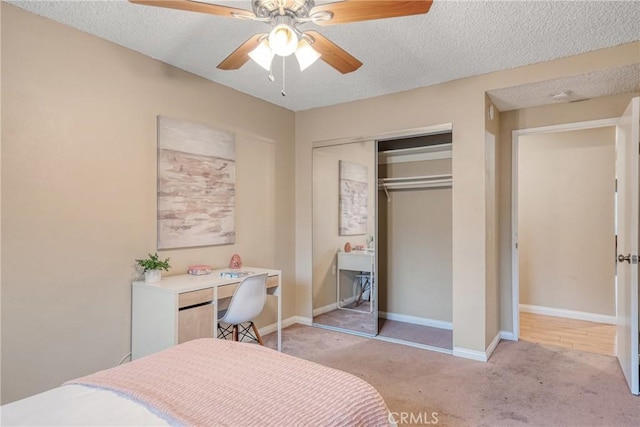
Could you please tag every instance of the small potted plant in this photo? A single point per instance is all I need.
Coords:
(151, 267)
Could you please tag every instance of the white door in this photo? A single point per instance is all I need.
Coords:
(627, 156)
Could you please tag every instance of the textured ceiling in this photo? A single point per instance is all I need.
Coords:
(575, 88)
(455, 39)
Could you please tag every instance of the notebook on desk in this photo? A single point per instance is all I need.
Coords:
(235, 274)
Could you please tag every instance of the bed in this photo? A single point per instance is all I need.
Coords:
(207, 382)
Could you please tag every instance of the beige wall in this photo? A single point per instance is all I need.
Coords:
(566, 244)
(462, 103)
(326, 239)
(414, 245)
(79, 193)
(594, 109)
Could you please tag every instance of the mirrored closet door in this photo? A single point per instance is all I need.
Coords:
(344, 207)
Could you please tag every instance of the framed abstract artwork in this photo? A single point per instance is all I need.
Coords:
(354, 187)
(196, 185)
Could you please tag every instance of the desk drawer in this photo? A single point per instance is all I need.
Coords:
(355, 262)
(196, 322)
(272, 281)
(187, 299)
(227, 291)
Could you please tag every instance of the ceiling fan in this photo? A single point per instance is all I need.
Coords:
(285, 38)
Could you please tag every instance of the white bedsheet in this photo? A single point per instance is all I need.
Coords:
(77, 405)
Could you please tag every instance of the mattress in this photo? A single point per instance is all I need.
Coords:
(77, 405)
(208, 382)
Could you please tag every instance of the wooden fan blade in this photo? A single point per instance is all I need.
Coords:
(195, 6)
(240, 56)
(365, 10)
(333, 54)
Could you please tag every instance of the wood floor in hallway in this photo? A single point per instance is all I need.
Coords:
(593, 337)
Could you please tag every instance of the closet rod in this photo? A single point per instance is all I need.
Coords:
(418, 183)
(414, 182)
(415, 178)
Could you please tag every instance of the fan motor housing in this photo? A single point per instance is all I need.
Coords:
(294, 8)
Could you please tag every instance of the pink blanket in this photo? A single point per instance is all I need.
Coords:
(211, 382)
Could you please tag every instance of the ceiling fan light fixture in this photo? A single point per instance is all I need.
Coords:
(285, 17)
(262, 55)
(306, 55)
(283, 40)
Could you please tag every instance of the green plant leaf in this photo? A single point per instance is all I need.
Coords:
(154, 263)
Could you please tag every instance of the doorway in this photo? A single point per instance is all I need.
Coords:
(563, 235)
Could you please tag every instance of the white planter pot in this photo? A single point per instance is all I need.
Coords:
(152, 276)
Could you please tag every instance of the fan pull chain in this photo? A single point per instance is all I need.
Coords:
(283, 93)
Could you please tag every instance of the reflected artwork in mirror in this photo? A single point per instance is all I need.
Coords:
(344, 288)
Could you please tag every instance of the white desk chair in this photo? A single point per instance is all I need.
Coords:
(246, 304)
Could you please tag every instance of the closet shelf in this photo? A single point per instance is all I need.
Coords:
(414, 182)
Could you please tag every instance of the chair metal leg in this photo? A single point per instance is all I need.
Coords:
(224, 332)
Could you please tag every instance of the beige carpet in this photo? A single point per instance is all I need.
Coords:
(357, 321)
(363, 322)
(435, 337)
(522, 384)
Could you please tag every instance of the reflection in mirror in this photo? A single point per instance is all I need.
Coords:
(344, 289)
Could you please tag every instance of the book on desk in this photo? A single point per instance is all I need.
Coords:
(235, 274)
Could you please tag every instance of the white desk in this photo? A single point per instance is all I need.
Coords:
(182, 308)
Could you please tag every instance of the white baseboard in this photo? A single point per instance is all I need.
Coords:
(348, 301)
(325, 309)
(508, 335)
(493, 345)
(568, 314)
(441, 324)
(268, 329)
(307, 321)
(480, 356)
(285, 323)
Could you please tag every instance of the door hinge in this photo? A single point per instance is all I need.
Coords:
(634, 259)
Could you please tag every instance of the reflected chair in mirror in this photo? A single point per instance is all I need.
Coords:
(246, 304)
(362, 288)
